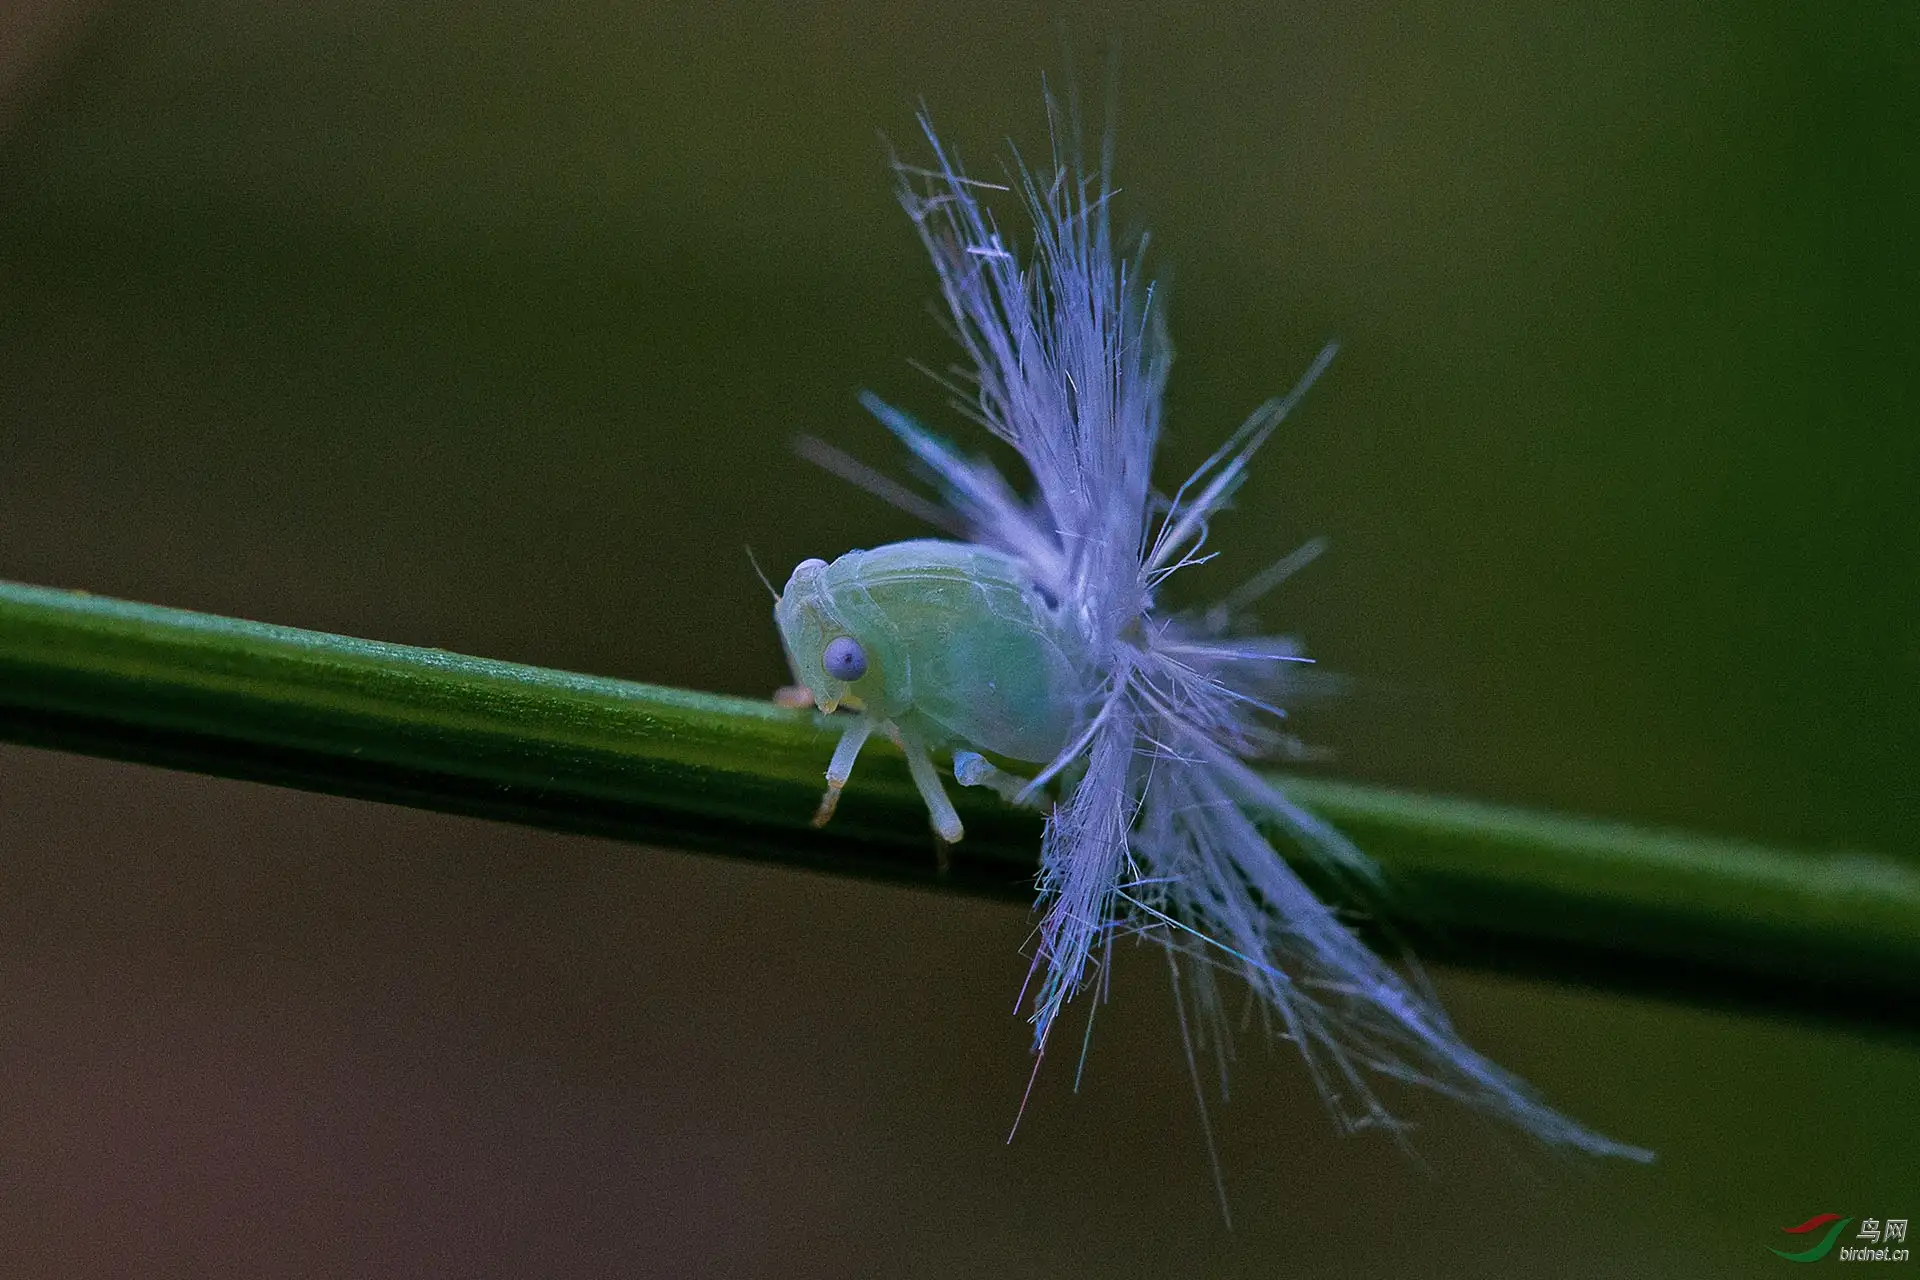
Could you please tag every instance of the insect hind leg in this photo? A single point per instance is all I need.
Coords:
(971, 769)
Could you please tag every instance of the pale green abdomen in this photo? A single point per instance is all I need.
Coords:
(972, 651)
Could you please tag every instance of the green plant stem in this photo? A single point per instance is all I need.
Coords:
(1526, 892)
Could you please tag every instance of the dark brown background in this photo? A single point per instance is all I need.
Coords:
(485, 326)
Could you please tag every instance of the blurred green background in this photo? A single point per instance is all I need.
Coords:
(488, 326)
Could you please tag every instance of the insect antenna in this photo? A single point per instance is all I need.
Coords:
(761, 574)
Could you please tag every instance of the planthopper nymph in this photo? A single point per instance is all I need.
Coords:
(946, 644)
(1034, 633)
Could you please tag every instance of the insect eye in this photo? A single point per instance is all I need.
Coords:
(844, 659)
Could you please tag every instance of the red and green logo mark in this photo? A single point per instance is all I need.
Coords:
(1825, 1245)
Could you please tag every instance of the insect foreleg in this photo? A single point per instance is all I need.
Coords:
(840, 768)
(796, 696)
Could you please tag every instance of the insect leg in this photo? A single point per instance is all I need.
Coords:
(971, 769)
(797, 696)
(840, 768)
(946, 823)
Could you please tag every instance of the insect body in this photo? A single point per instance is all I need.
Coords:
(1038, 637)
(940, 644)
